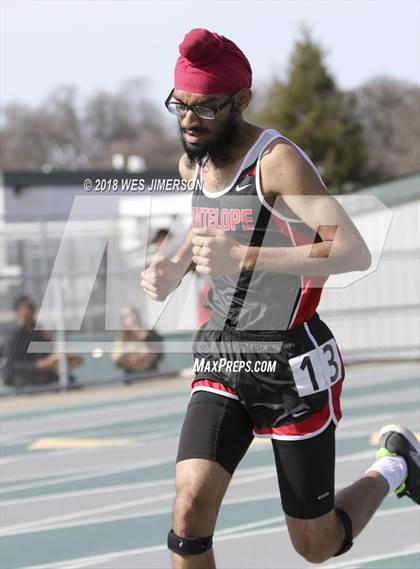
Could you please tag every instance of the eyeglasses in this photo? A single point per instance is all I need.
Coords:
(201, 111)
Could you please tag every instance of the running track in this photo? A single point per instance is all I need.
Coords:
(104, 501)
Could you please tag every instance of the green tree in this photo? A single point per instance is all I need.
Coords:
(308, 108)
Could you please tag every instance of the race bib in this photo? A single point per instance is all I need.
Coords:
(318, 369)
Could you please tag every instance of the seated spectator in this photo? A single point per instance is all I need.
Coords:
(23, 368)
(131, 351)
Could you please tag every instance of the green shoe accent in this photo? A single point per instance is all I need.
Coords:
(383, 452)
(400, 488)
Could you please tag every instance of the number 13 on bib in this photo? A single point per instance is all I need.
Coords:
(318, 369)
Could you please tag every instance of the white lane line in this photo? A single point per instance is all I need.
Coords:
(265, 471)
(352, 383)
(34, 455)
(86, 561)
(134, 466)
(407, 395)
(118, 408)
(90, 492)
(59, 474)
(241, 535)
(75, 416)
(346, 423)
(92, 421)
(94, 474)
(361, 560)
(102, 432)
(98, 431)
(48, 480)
(239, 474)
(38, 525)
(136, 515)
(163, 432)
(86, 407)
(43, 525)
(82, 473)
(30, 456)
(241, 527)
(219, 536)
(371, 370)
(349, 402)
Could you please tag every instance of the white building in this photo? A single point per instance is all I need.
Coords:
(379, 315)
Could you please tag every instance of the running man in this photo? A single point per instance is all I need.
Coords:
(268, 234)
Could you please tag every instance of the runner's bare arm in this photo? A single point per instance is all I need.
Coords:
(287, 175)
(163, 275)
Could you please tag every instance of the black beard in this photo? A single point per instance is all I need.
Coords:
(219, 149)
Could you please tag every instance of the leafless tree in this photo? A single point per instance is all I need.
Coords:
(390, 113)
(65, 133)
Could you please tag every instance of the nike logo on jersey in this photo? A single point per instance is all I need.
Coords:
(240, 188)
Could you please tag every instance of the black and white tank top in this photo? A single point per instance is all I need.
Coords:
(256, 300)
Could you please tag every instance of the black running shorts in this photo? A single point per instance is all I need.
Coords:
(283, 385)
(219, 429)
(289, 381)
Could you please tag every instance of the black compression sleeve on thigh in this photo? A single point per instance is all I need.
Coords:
(215, 428)
(188, 545)
(305, 471)
(348, 531)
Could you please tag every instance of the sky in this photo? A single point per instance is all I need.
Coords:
(97, 44)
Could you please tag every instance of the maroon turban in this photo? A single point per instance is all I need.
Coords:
(210, 63)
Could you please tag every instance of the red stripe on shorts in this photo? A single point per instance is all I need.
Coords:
(310, 424)
(336, 394)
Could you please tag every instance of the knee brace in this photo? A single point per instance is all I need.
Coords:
(188, 545)
(348, 531)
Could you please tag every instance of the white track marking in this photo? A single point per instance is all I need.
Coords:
(50, 522)
(103, 432)
(361, 560)
(343, 426)
(236, 529)
(261, 470)
(244, 472)
(29, 456)
(46, 525)
(350, 402)
(94, 419)
(376, 399)
(20, 528)
(86, 561)
(96, 472)
(346, 423)
(353, 381)
(41, 528)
